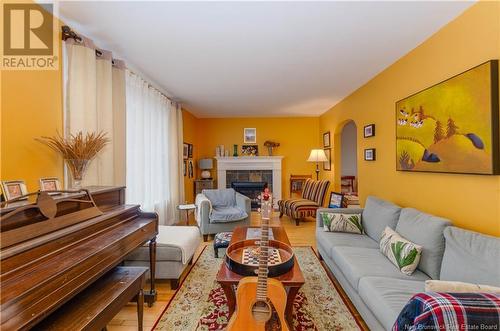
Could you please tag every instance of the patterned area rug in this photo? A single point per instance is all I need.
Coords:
(200, 303)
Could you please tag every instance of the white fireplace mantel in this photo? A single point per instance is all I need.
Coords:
(251, 163)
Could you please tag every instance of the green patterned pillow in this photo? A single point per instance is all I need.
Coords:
(337, 222)
(402, 253)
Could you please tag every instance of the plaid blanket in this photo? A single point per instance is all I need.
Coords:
(450, 311)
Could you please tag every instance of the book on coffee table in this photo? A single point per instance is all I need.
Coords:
(254, 233)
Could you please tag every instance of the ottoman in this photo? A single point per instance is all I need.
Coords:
(221, 240)
(175, 247)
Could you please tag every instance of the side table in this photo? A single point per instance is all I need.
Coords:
(187, 208)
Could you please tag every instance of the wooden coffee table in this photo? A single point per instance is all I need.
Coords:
(292, 280)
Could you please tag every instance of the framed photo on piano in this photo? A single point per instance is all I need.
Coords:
(12, 189)
(50, 184)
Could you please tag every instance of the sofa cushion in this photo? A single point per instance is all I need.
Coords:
(378, 214)
(328, 240)
(401, 252)
(386, 297)
(227, 214)
(356, 263)
(471, 257)
(427, 231)
(173, 243)
(339, 222)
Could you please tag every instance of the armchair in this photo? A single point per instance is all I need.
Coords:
(221, 210)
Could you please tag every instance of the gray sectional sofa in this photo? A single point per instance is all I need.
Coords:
(375, 286)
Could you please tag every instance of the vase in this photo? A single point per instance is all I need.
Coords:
(270, 150)
(77, 167)
(235, 150)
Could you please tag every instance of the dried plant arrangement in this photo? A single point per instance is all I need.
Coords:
(270, 145)
(77, 150)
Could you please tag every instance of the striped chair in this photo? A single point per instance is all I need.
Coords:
(313, 195)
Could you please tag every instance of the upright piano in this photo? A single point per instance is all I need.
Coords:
(56, 246)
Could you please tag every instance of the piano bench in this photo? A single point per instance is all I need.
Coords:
(175, 248)
(95, 306)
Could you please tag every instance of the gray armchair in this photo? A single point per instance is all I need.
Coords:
(221, 210)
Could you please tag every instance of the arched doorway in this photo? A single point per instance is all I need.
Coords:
(348, 158)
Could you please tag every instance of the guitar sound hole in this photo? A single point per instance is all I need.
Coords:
(261, 311)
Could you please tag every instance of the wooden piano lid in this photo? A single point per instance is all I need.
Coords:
(93, 190)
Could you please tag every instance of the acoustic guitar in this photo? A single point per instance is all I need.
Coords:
(260, 301)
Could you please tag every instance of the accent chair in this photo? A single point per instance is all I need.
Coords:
(221, 210)
(312, 198)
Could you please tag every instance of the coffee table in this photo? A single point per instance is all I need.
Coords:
(292, 280)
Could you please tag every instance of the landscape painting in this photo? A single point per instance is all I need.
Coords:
(451, 127)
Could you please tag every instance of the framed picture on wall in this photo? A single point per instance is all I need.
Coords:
(250, 135)
(453, 126)
(184, 167)
(327, 165)
(185, 151)
(326, 139)
(190, 151)
(190, 169)
(13, 189)
(369, 130)
(370, 154)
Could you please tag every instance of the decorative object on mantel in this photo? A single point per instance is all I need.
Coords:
(235, 150)
(326, 139)
(250, 150)
(370, 154)
(453, 126)
(250, 135)
(50, 184)
(369, 130)
(327, 166)
(219, 151)
(317, 155)
(14, 189)
(270, 145)
(205, 165)
(77, 151)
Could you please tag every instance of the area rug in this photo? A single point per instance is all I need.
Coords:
(200, 303)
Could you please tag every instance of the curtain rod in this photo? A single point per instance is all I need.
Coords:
(67, 33)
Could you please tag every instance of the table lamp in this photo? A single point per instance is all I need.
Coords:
(205, 165)
(317, 155)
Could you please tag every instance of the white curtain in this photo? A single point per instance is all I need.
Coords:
(94, 102)
(154, 150)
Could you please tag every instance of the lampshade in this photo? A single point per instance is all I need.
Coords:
(317, 155)
(205, 164)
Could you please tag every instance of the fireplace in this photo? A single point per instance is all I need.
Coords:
(255, 169)
(251, 190)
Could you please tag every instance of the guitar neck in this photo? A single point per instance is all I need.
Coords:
(266, 211)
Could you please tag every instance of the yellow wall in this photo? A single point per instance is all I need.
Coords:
(297, 137)
(31, 107)
(190, 126)
(470, 201)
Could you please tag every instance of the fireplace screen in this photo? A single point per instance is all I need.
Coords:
(251, 190)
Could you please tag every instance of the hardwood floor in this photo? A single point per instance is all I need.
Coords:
(126, 319)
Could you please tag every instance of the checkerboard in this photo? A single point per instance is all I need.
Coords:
(251, 256)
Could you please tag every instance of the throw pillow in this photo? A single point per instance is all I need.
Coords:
(338, 222)
(458, 287)
(401, 252)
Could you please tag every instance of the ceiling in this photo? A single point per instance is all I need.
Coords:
(241, 59)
